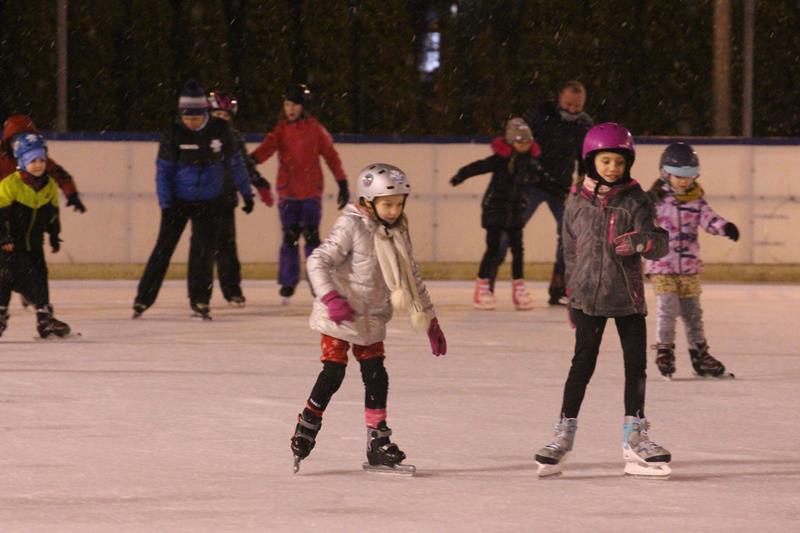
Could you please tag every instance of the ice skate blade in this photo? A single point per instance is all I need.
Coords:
(548, 471)
(204, 317)
(726, 375)
(53, 337)
(651, 471)
(398, 469)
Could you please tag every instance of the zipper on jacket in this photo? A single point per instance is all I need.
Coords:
(611, 228)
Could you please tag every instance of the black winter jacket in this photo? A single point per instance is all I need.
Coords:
(561, 140)
(504, 202)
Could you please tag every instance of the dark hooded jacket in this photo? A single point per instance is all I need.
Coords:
(504, 202)
(600, 282)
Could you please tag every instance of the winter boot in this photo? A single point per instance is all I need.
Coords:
(520, 296)
(47, 325)
(704, 364)
(138, 309)
(305, 436)
(380, 450)
(483, 298)
(201, 310)
(643, 457)
(665, 359)
(3, 319)
(551, 458)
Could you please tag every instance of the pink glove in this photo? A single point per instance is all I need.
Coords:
(436, 337)
(632, 243)
(338, 309)
(266, 196)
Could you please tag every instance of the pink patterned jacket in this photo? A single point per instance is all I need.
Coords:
(682, 220)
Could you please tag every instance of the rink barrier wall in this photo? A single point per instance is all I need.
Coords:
(752, 182)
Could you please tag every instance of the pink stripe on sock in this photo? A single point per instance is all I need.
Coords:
(373, 417)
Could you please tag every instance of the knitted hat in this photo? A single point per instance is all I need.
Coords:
(193, 99)
(517, 130)
(27, 147)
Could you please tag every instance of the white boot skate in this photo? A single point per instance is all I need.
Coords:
(520, 295)
(551, 458)
(643, 457)
(483, 298)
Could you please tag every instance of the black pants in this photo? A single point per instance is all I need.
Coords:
(203, 246)
(229, 270)
(588, 334)
(24, 272)
(492, 258)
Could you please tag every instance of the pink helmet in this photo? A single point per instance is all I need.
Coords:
(608, 136)
(222, 102)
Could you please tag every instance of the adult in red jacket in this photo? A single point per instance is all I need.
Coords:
(13, 126)
(300, 140)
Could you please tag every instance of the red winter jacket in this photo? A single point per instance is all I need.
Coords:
(15, 125)
(299, 145)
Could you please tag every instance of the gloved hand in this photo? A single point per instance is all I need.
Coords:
(436, 338)
(632, 243)
(266, 195)
(456, 180)
(339, 309)
(248, 204)
(75, 201)
(731, 231)
(344, 194)
(55, 243)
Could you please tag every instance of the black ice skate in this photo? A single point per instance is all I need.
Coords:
(200, 310)
(384, 455)
(138, 309)
(305, 437)
(705, 365)
(237, 301)
(665, 359)
(48, 326)
(286, 292)
(3, 319)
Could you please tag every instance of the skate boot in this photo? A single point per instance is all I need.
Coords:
(3, 319)
(201, 310)
(383, 455)
(305, 436)
(665, 359)
(705, 365)
(556, 290)
(237, 301)
(520, 296)
(47, 325)
(138, 309)
(551, 458)
(483, 298)
(643, 457)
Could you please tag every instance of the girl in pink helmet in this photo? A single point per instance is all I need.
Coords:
(609, 225)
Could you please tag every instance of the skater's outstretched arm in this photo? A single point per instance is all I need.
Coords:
(482, 166)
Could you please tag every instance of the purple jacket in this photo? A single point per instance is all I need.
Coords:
(682, 220)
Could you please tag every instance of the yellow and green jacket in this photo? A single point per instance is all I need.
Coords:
(27, 213)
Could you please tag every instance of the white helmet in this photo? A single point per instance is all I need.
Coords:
(380, 179)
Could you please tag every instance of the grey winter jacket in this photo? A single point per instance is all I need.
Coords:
(600, 282)
(346, 263)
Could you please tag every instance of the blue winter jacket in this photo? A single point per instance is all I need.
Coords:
(191, 164)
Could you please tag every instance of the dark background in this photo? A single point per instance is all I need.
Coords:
(647, 64)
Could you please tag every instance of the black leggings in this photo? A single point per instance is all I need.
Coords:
(491, 258)
(588, 334)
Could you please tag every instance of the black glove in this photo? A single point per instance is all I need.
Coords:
(75, 201)
(731, 231)
(456, 180)
(55, 242)
(344, 194)
(258, 181)
(248, 204)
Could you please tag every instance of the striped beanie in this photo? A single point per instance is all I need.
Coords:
(192, 100)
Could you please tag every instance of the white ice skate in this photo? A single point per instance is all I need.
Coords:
(483, 299)
(643, 457)
(550, 459)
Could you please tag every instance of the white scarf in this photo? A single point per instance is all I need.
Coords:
(392, 249)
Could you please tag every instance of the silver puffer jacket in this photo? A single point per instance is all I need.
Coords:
(346, 263)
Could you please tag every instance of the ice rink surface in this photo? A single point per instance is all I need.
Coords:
(169, 423)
